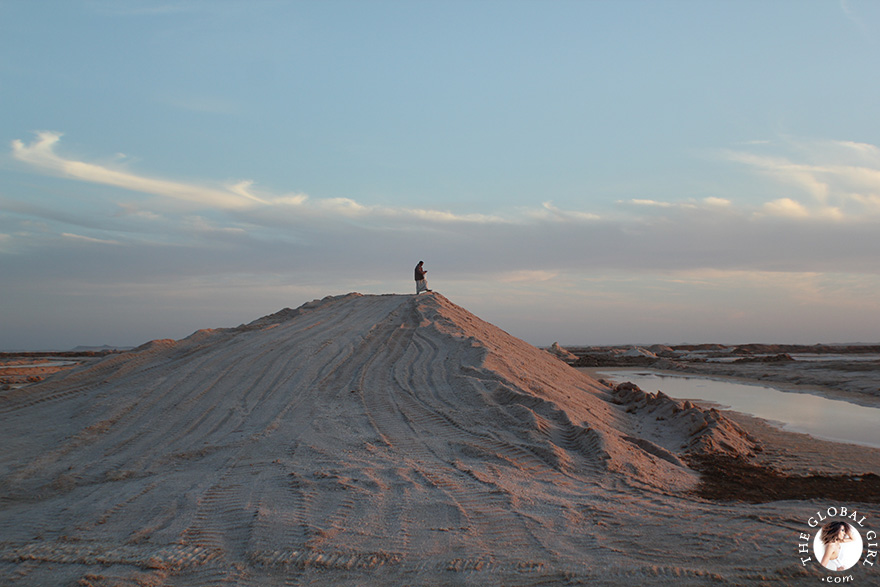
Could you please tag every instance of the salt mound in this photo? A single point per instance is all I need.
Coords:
(351, 434)
(562, 353)
(639, 352)
(685, 427)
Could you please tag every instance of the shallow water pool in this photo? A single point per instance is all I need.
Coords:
(36, 365)
(821, 417)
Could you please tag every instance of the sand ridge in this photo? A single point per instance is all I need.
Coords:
(394, 438)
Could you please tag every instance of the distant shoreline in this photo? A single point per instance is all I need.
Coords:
(850, 373)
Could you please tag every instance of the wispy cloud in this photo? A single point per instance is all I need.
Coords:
(549, 211)
(711, 202)
(131, 210)
(834, 180)
(785, 207)
(807, 177)
(257, 231)
(855, 18)
(717, 202)
(41, 155)
(202, 225)
(646, 261)
(527, 276)
(867, 150)
(89, 239)
(53, 214)
(650, 203)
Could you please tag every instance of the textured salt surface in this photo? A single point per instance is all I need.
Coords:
(383, 439)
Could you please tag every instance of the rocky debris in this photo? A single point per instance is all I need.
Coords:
(560, 352)
(700, 347)
(629, 356)
(613, 360)
(24, 357)
(669, 365)
(706, 431)
(639, 352)
(817, 349)
(26, 368)
(661, 350)
(780, 358)
(657, 356)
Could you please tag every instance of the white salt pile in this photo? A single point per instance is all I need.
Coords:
(365, 439)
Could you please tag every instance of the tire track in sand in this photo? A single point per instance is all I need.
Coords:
(422, 435)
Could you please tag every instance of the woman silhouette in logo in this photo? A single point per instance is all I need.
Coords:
(833, 535)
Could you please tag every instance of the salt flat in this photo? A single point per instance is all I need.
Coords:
(385, 440)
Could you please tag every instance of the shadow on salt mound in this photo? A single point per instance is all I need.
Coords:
(565, 418)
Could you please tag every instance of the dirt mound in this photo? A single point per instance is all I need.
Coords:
(689, 429)
(358, 439)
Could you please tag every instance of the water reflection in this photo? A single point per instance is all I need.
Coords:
(35, 365)
(799, 412)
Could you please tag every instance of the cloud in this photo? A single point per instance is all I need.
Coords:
(41, 155)
(54, 214)
(807, 177)
(265, 233)
(706, 203)
(788, 208)
(831, 179)
(441, 216)
(866, 150)
(856, 19)
(253, 251)
(650, 203)
(202, 225)
(717, 202)
(527, 276)
(785, 207)
(89, 239)
(549, 211)
(131, 210)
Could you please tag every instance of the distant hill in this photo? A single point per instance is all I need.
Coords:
(97, 349)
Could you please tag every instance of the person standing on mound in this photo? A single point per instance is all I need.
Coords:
(421, 282)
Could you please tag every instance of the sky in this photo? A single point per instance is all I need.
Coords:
(581, 172)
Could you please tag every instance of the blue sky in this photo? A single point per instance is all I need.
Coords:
(582, 172)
